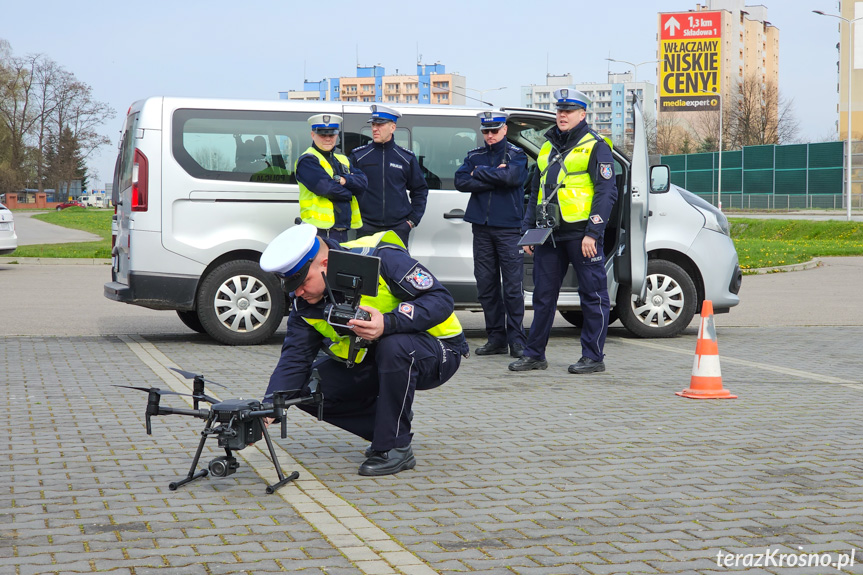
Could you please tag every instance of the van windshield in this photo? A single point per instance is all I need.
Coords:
(529, 132)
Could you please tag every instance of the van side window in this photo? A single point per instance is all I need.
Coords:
(240, 146)
(441, 144)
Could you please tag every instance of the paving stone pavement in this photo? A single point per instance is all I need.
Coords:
(536, 473)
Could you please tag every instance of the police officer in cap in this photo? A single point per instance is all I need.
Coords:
(416, 341)
(494, 175)
(572, 193)
(328, 184)
(395, 198)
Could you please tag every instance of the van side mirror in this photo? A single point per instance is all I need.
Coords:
(660, 179)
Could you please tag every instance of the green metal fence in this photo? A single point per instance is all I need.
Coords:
(790, 176)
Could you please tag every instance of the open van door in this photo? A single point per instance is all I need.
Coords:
(638, 208)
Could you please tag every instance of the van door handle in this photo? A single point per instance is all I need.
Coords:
(455, 214)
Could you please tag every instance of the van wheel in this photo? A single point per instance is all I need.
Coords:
(668, 306)
(576, 317)
(191, 320)
(240, 304)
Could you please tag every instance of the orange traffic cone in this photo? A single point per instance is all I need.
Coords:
(706, 382)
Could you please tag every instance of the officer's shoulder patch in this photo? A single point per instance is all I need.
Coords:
(419, 278)
(407, 309)
(405, 150)
(605, 170)
(596, 219)
(475, 150)
(512, 146)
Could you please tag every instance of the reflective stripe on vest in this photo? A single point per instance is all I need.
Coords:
(317, 210)
(575, 194)
(339, 344)
(384, 302)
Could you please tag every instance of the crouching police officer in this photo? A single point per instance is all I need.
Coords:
(573, 192)
(392, 171)
(328, 184)
(416, 341)
(494, 176)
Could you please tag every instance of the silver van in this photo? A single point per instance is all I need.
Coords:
(202, 186)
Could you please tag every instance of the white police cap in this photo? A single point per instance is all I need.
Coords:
(290, 255)
(492, 119)
(325, 124)
(382, 114)
(569, 99)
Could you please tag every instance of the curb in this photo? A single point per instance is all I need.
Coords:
(813, 263)
(57, 261)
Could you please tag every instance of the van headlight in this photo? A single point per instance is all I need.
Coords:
(715, 221)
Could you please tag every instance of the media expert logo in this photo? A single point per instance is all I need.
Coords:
(690, 50)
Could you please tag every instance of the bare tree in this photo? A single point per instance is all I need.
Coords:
(40, 100)
(760, 115)
(82, 115)
(17, 109)
(668, 135)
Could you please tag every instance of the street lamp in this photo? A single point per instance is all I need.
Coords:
(719, 178)
(436, 90)
(850, 71)
(482, 92)
(634, 81)
(634, 66)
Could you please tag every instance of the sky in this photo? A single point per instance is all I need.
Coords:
(255, 49)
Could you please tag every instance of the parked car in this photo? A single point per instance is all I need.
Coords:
(8, 239)
(65, 205)
(194, 215)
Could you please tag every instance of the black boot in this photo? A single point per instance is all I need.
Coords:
(492, 349)
(389, 462)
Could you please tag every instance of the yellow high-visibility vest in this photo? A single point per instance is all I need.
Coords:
(317, 210)
(575, 194)
(384, 302)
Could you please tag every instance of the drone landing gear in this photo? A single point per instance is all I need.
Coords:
(227, 464)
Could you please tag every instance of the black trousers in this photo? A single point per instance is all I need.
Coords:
(373, 399)
(498, 263)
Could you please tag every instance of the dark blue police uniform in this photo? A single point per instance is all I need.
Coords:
(496, 210)
(385, 205)
(552, 259)
(373, 398)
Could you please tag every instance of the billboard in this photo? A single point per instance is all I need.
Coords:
(690, 61)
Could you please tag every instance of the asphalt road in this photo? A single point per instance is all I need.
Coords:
(34, 232)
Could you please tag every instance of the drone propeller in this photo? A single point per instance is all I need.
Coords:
(155, 390)
(190, 375)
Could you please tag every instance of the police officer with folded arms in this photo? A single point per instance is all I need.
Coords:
(572, 194)
(395, 198)
(416, 341)
(494, 176)
(328, 184)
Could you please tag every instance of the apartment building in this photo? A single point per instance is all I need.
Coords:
(430, 85)
(610, 113)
